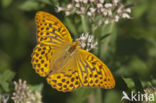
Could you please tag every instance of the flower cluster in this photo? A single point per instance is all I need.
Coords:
(23, 94)
(109, 11)
(4, 98)
(87, 42)
(150, 90)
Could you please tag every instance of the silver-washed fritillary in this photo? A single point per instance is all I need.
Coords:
(66, 66)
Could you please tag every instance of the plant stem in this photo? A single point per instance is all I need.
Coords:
(99, 95)
(99, 42)
(91, 98)
(84, 23)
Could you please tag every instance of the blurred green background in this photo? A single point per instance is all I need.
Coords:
(130, 53)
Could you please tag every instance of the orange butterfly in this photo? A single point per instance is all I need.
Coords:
(66, 66)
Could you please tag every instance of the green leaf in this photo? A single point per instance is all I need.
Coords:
(130, 83)
(30, 5)
(139, 66)
(84, 23)
(5, 78)
(46, 1)
(112, 97)
(154, 81)
(5, 3)
(80, 95)
(106, 29)
(139, 8)
(105, 36)
(70, 25)
(108, 41)
(36, 87)
(5, 86)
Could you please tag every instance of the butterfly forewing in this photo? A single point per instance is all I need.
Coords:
(93, 72)
(51, 30)
(52, 38)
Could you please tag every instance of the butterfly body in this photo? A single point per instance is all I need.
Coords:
(66, 66)
(64, 57)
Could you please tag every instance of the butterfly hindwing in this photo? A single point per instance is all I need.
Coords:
(51, 30)
(65, 79)
(94, 73)
(41, 59)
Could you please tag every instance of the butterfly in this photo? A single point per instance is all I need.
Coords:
(64, 64)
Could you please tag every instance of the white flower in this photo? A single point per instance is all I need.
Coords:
(108, 5)
(88, 44)
(115, 2)
(85, 1)
(32, 97)
(119, 10)
(28, 101)
(84, 37)
(103, 9)
(101, 1)
(77, 1)
(89, 14)
(105, 13)
(128, 10)
(77, 5)
(92, 0)
(69, 6)
(92, 10)
(60, 9)
(109, 12)
(93, 45)
(82, 9)
(87, 41)
(67, 13)
(4, 98)
(99, 5)
(90, 38)
(116, 18)
(38, 95)
(83, 45)
(125, 15)
(106, 22)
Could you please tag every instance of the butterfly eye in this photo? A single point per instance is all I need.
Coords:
(71, 49)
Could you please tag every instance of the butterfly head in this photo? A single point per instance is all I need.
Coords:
(74, 46)
(76, 43)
